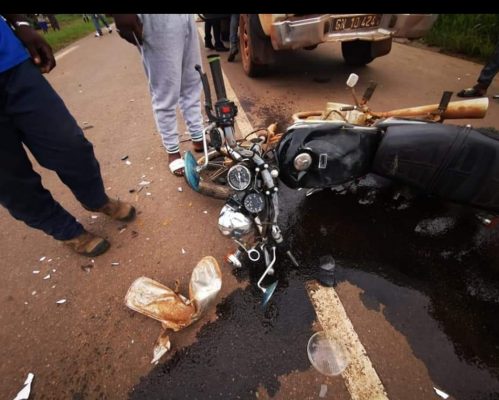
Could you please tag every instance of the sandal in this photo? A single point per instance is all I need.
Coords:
(177, 167)
(471, 92)
(198, 147)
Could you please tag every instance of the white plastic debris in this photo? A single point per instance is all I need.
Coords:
(205, 212)
(43, 258)
(442, 394)
(180, 189)
(183, 251)
(46, 277)
(148, 193)
(144, 183)
(161, 347)
(53, 270)
(49, 260)
(323, 391)
(26, 390)
(115, 264)
(33, 292)
(61, 301)
(128, 162)
(36, 271)
(94, 216)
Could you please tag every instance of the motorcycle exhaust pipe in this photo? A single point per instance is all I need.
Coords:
(472, 108)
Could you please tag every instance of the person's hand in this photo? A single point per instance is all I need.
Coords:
(38, 48)
(128, 25)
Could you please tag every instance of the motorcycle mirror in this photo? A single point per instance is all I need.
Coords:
(352, 80)
(267, 294)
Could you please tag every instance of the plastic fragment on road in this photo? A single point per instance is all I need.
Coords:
(128, 162)
(326, 355)
(442, 394)
(61, 301)
(161, 347)
(42, 258)
(172, 309)
(183, 251)
(26, 390)
(180, 189)
(46, 277)
(323, 391)
(36, 271)
(115, 263)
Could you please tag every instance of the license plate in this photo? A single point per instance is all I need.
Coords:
(355, 22)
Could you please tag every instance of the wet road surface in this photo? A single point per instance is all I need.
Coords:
(429, 266)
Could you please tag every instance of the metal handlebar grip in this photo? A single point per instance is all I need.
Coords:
(216, 74)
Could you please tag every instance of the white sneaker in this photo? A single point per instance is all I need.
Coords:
(97, 34)
(110, 30)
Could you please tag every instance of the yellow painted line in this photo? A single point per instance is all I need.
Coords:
(360, 377)
(243, 125)
(61, 54)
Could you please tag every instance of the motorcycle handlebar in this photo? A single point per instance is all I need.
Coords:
(216, 73)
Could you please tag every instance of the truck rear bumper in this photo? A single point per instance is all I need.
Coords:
(298, 32)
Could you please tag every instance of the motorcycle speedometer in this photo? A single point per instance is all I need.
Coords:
(254, 203)
(239, 177)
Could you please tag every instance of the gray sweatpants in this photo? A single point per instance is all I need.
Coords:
(171, 50)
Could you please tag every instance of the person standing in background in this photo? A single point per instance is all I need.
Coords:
(95, 19)
(53, 22)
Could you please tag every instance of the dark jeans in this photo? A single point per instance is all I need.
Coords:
(490, 69)
(216, 24)
(32, 113)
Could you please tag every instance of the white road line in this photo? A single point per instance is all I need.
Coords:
(243, 124)
(360, 377)
(65, 52)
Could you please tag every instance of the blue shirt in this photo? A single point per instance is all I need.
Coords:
(12, 51)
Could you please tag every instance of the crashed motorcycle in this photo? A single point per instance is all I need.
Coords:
(323, 149)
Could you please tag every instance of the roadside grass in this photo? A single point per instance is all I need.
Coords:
(72, 28)
(473, 35)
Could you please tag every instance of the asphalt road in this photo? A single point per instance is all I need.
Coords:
(423, 306)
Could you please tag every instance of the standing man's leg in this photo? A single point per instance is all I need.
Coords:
(490, 70)
(217, 29)
(42, 122)
(208, 24)
(95, 21)
(103, 20)
(190, 88)
(164, 41)
(234, 38)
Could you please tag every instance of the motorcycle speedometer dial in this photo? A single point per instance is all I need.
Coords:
(254, 203)
(239, 177)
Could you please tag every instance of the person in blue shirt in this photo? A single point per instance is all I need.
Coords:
(32, 114)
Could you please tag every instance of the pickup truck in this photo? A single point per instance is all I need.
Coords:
(363, 37)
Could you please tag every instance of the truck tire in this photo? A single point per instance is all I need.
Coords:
(357, 52)
(254, 45)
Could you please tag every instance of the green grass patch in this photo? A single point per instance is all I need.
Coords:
(72, 28)
(473, 35)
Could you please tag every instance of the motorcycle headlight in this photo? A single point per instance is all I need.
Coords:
(233, 223)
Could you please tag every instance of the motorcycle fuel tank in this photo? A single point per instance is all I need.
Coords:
(318, 155)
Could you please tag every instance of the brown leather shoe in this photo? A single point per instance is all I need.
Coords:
(88, 244)
(118, 209)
